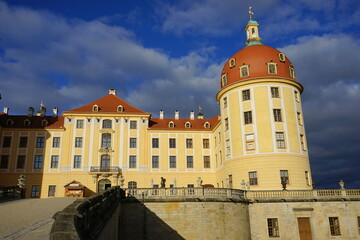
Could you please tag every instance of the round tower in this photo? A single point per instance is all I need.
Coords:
(264, 140)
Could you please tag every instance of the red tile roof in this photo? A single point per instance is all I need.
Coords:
(108, 104)
(179, 124)
(18, 121)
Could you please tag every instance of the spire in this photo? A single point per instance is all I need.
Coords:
(200, 115)
(252, 31)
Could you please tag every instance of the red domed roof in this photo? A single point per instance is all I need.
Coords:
(256, 57)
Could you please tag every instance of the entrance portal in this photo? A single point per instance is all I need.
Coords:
(103, 185)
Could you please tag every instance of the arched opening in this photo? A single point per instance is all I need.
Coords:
(104, 184)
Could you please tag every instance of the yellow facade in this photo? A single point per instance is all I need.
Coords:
(256, 142)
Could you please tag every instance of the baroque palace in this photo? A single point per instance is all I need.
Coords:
(257, 143)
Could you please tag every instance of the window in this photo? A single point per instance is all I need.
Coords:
(105, 162)
(171, 124)
(44, 123)
(27, 123)
(38, 161)
(107, 123)
(297, 97)
(232, 62)
(23, 142)
(132, 161)
(244, 71)
(248, 117)
(52, 189)
(206, 143)
(7, 142)
(207, 125)
(9, 122)
(155, 143)
(224, 79)
(230, 181)
(40, 142)
(302, 139)
(172, 143)
(228, 147)
(120, 108)
(78, 142)
(225, 102)
(334, 226)
(187, 125)
(277, 115)
(4, 161)
(132, 184)
(189, 161)
(358, 219)
(95, 108)
(189, 143)
(253, 180)
(54, 161)
(273, 227)
(307, 179)
(106, 140)
(284, 176)
(226, 124)
(132, 142)
(155, 162)
(133, 125)
(299, 117)
(275, 92)
(272, 68)
(21, 162)
(56, 142)
(282, 57)
(246, 95)
(280, 140)
(292, 72)
(35, 191)
(172, 162)
(250, 141)
(206, 161)
(77, 161)
(79, 123)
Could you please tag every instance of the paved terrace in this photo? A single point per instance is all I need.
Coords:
(29, 219)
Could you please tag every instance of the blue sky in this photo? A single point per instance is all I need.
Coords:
(168, 55)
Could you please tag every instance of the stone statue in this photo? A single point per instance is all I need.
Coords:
(283, 183)
(163, 181)
(21, 181)
(342, 184)
(199, 181)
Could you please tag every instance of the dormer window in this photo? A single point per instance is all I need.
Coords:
(171, 124)
(244, 71)
(44, 123)
(272, 69)
(282, 57)
(95, 108)
(224, 79)
(232, 62)
(27, 123)
(292, 72)
(207, 125)
(187, 125)
(120, 108)
(9, 122)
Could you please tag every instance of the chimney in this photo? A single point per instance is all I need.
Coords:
(112, 91)
(42, 111)
(192, 115)
(6, 110)
(55, 112)
(30, 112)
(176, 114)
(161, 114)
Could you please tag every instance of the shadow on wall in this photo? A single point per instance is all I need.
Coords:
(138, 222)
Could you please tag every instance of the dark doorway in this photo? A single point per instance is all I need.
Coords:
(103, 185)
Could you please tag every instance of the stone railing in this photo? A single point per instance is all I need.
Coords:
(188, 193)
(86, 218)
(316, 194)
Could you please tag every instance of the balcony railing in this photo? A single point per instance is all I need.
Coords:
(104, 169)
(196, 193)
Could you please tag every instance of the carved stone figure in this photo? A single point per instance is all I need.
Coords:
(163, 181)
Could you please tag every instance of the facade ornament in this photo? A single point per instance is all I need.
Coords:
(22, 181)
(342, 184)
(174, 182)
(199, 181)
(162, 183)
(244, 186)
(122, 180)
(151, 183)
(283, 183)
(251, 12)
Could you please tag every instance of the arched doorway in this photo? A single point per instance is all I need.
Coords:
(104, 184)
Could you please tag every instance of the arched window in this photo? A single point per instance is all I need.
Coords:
(224, 79)
(120, 108)
(95, 108)
(207, 125)
(106, 140)
(27, 123)
(292, 72)
(44, 123)
(187, 125)
(107, 123)
(9, 122)
(171, 124)
(105, 162)
(132, 184)
(232, 62)
(282, 57)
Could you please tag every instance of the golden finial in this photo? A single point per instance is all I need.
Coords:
(251, 12)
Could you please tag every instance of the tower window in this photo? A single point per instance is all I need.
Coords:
(277, 115)
(244, 71)
(280, 140)
(248, 117)
(250, 141)
(246, 95)
(226, 124)
(302, 142)
(275, 92)
(224, 79)
(232, 62)
(292, 72)
(272, 68)
(225, 102)
(297, 97)
(282, 57)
